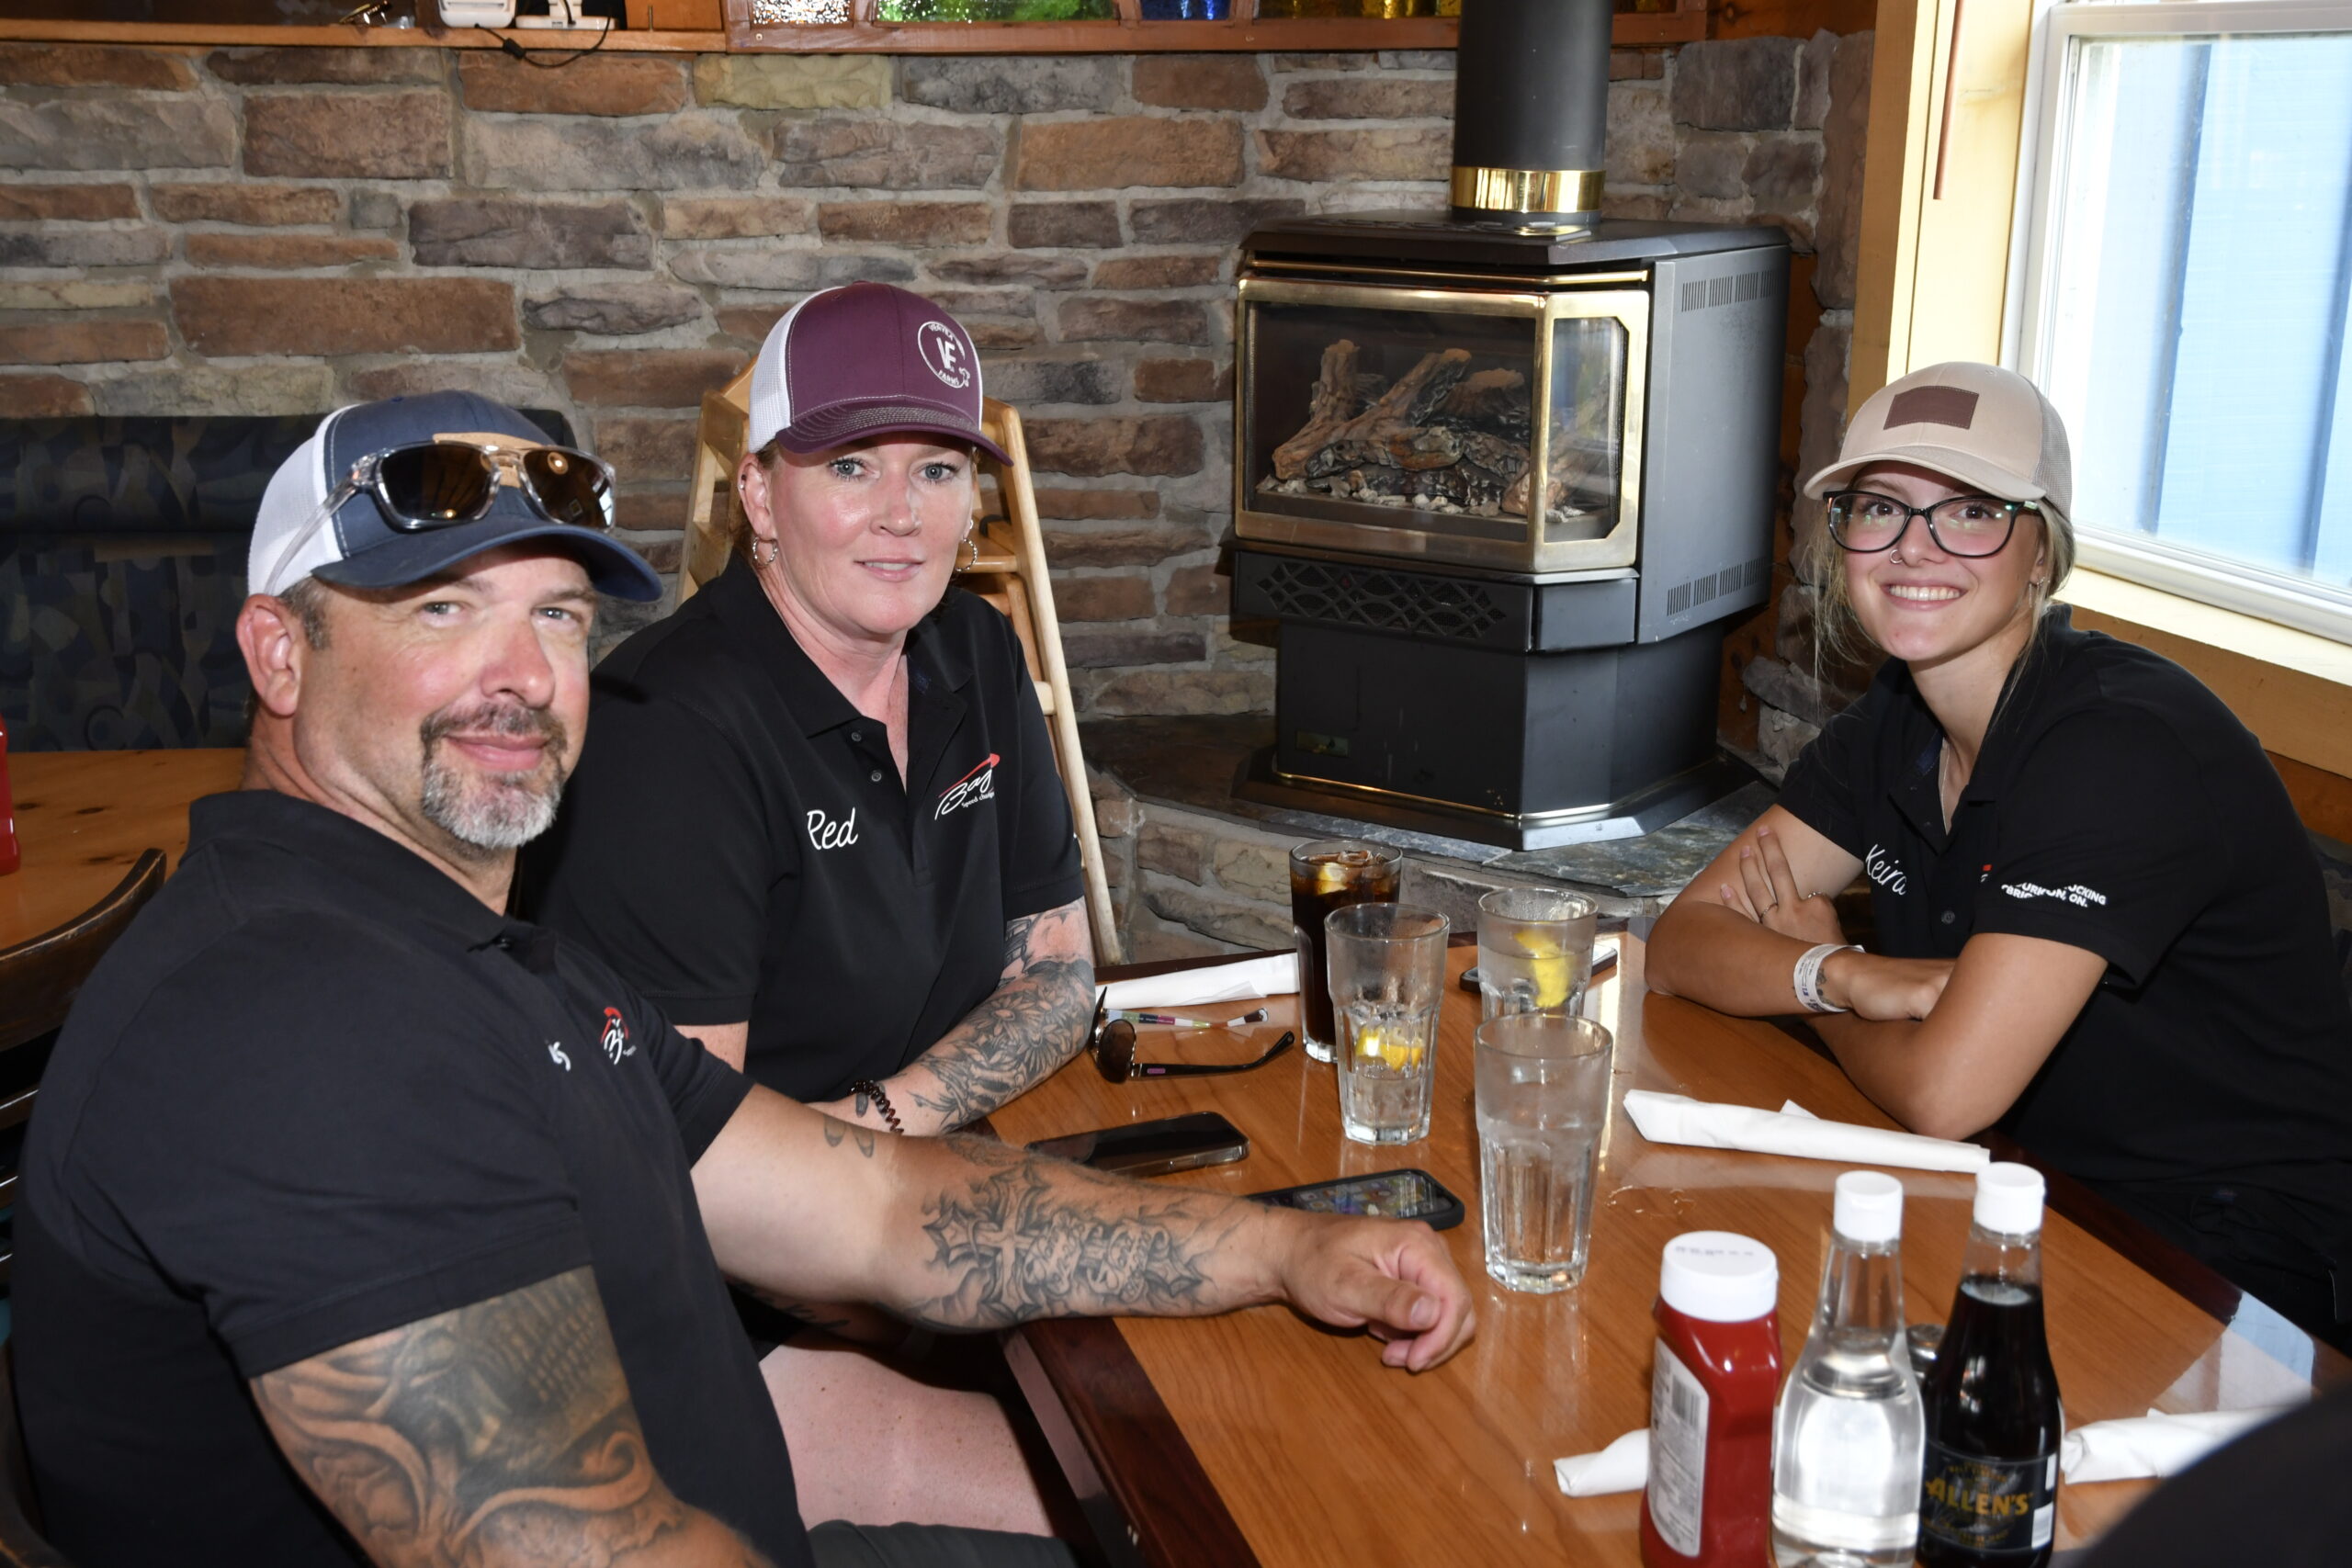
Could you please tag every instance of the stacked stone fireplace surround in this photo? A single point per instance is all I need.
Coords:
(187, 230)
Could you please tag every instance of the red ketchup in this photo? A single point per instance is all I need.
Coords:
(8, 854)
(1709, 1502)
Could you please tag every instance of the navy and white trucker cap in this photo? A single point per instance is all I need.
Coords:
(359, 550)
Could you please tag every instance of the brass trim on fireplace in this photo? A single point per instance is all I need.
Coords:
(1526, 190)
(1270, 266)
(1450, 807)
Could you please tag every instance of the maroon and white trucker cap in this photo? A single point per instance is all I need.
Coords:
(865, 359)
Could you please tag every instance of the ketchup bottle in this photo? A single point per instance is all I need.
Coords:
(8, 852)
(1709, 1502)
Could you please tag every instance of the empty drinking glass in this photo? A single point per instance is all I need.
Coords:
(1543, 1099)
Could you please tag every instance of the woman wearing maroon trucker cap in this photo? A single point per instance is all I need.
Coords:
(2099, 925)
(818, 821)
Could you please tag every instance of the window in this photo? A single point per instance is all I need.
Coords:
(2189, 273)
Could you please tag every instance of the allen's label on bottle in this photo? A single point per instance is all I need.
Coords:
(1988, 1505)
(1677, 1485)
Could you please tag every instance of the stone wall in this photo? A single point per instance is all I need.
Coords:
(186, 231)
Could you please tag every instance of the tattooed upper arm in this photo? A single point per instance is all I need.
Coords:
(501, 1433)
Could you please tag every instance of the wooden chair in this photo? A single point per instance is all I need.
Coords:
(40, 977)
(1011, 574)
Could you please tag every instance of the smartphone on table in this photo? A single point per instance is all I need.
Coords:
(1387, 1194)
(1153, 1148)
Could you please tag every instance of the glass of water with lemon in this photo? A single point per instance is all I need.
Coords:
(1534, 950)
(1388, 975)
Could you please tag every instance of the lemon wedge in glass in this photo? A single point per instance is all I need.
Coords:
(1330, 876)
(1396, 1055)
(1551, 967)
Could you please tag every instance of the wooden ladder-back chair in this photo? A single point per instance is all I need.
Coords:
(1010, 574)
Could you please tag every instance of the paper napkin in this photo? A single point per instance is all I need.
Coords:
(1622, 1466)
(1678, 1119)
(2153, 1444)
(1276, 975)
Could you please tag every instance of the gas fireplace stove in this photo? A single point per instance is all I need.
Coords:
(1501, 478)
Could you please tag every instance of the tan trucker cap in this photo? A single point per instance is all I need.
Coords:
(1977, 424)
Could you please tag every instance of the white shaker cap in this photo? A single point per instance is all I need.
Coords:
(2008, 1198)
(1869, 1206)
(1718, 1277)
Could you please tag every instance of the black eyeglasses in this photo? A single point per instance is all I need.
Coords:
(440, 484)
(1866, 522)
(1112, 1045)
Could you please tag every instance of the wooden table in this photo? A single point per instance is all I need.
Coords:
(1257, 1437)
(82, 816)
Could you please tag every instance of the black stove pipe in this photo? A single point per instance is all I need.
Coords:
(1531, 110)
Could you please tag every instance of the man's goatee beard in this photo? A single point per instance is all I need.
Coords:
(492, 816)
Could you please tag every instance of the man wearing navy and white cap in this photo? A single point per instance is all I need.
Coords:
(361, 1223)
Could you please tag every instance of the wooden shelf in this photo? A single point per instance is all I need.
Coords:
(1304, 35)
(206, 36)
(1127, 35)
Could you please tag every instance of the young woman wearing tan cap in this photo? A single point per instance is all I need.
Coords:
(2101, 927)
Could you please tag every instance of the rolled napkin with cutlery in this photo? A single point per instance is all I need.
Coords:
(1276, 975)
(1622, 1466)
(2153, 1444)
(1678, 1119)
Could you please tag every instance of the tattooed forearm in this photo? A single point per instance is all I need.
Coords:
(499, 1433)
(1033, 1022)
(1016, 1239)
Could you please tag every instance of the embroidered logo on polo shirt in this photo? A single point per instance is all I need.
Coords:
(555, 1055)
(2080, 896)
(1885, 870)
(970, 790)
(827, 834)
(616, 1042)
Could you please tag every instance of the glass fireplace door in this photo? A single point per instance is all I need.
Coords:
(1416, 423)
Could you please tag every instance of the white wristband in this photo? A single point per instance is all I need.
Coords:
(1807, 979)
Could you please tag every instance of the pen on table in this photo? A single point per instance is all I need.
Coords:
(1257, 1015)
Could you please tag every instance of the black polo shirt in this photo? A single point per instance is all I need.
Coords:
(318, 1091)
(737, 842)
(2120, 808)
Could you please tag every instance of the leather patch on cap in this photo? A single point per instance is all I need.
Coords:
(1933, 405)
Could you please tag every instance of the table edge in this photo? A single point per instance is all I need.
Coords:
(1175, 1516)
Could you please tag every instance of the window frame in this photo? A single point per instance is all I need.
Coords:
(2274, 596)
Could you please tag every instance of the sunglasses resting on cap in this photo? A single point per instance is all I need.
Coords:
(387, 494)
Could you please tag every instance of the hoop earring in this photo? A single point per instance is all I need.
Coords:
(775, 551)
(973, 544)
